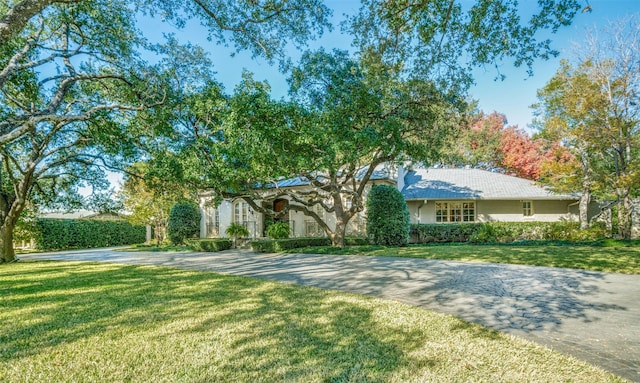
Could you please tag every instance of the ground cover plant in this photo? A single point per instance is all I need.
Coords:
(609, 255)
(165, 247)
(88, 322)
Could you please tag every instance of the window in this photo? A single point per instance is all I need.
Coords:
(241, 211)
(455, 212)
(213, 222)
(527, 208)
(442, 212)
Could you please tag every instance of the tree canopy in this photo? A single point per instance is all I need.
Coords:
(74, 87)
(593, 107)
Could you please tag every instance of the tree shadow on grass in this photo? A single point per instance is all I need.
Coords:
(293, 332)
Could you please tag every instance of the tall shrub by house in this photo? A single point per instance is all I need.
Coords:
(184, 222)
(387, 216)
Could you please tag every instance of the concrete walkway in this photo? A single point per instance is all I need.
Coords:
(590, 315)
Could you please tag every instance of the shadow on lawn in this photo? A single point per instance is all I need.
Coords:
(296, 331)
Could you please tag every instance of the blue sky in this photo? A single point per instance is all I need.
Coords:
(511, 97)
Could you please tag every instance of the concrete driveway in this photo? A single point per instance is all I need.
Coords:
(591, 315)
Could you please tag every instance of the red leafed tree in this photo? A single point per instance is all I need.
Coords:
(521, 155)
(488, 142)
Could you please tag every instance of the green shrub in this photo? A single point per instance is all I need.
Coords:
(504, 232)
(387, 216)
(208, 244)
(236, 230)
(278, 230)
(184, 222)
(276, 245)
(442, 233)
(356, 241)
(62, 234)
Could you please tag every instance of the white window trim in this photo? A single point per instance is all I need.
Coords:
(460, 206)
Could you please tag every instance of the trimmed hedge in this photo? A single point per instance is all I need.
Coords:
(62, 234)
(387, 216)
(209, 244)
(276, 245)
(279, 245)
(502, 232)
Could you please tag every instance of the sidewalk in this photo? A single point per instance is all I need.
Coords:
(591, 315)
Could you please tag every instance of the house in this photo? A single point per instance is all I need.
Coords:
(216, 219)
(474, 195)
(433, 195)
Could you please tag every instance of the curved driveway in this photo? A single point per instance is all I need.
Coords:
(591, 315)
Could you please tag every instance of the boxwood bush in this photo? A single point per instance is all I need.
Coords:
(209, 244)
(503, 232)
(387, 216)
(62, 234)
(278, 245)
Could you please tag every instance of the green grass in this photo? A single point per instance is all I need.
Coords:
(84, 322)
(618, 257)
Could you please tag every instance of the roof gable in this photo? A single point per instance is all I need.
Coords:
(454, 184)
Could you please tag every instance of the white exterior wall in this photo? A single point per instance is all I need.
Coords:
(503, 211)
(225, 211)
(297, 220)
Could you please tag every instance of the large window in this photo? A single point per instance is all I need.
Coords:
(241, 212)
(527, 208)
(213, 222)
(455, 212)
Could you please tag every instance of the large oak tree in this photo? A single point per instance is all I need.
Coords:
(72, 81)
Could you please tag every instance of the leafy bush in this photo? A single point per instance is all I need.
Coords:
(236, 230)
(278, 230)
(276, 245)
(356, 241)
(184, 222)
(387, 216)
(208, 244)
(503, 232)
(442, 233)
(62, 234)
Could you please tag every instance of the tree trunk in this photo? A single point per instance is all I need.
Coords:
(337, 237)
(584, 209)
(7, 254)
(624, 215)
(585, 198)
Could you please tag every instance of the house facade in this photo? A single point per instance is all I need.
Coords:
(475, 195)
(433, 196)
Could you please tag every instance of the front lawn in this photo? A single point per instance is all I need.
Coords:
(613, 257)
(84, 322)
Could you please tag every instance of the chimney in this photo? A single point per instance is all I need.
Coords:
(401, 174)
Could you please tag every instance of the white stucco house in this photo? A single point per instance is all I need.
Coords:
(433, 195)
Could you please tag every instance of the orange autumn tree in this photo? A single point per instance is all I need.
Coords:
(488, 142)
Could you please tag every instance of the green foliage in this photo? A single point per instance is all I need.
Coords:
(442, 233)
(236, 230)
(503, 232)
(454, 36)
(387, 216)
(277, 245)
(278, 230)
(280, 245)
(184, 222)
(208, 244)
(62, 234)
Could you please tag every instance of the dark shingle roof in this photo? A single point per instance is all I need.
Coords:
(452, 184)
